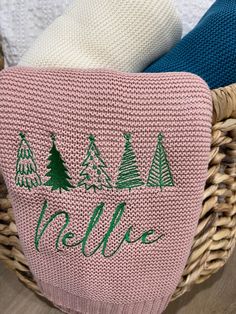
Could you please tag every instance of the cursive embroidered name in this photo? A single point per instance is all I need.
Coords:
(64, 235)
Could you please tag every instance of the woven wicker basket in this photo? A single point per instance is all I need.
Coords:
(216, 233)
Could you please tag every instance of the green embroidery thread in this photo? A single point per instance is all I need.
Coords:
(160, 173)
(58, 173)
(94, 220)
(129, 176)
(94, 175)
(26, 169)
(38, 235)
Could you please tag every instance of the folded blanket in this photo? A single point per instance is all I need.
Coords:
(191, 12)
(209, 50)
(22, 21)
(106, 173)
(124, 35)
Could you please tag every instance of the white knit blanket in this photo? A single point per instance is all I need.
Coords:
(21, 22)
(191, 12)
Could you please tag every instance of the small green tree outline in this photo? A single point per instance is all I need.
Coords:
(58, 172)
(160, 174)
(24, 171)
(104, 180)
(128, 172)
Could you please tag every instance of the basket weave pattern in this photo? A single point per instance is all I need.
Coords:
(216, 233)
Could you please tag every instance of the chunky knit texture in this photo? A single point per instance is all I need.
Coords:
(22, 21)
(191, 12)
(129, 154)
(123, 35)
(209, 50)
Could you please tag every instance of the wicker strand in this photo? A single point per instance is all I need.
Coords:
(216, 233)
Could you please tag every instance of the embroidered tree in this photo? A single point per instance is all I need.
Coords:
(160, 173)
(26, 168)
(58, 173)
(94, 175)
(128, 176)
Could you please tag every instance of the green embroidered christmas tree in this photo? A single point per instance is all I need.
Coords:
(128, 176)
(26, 168)
(94, 174)
(160, 173)
(58, 173)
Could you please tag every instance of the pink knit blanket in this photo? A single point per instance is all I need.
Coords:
(106, 173)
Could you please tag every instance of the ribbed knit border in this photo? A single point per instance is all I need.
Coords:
(73, 304)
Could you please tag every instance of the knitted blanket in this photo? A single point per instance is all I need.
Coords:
(106, 173)
(122, 35)
(191, 11)
(21, 22)
(209, 50)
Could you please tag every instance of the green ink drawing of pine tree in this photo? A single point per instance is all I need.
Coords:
(128, 175)
(94, 175)
(58, 173)
(26, 168)
(160, 173)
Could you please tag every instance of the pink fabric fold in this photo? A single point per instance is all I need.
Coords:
(106, 172)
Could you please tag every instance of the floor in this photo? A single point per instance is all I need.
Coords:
(216, 296)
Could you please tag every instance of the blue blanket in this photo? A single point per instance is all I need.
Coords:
(209, 50)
